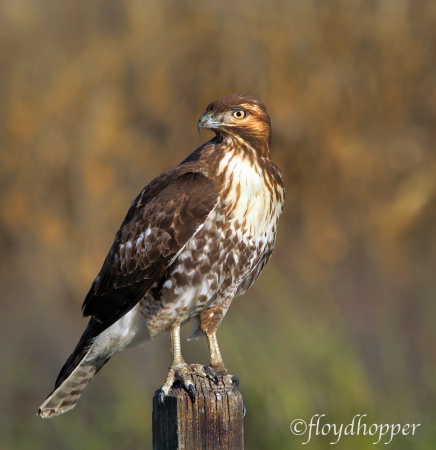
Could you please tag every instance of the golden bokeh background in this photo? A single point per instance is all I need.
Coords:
(100, 96)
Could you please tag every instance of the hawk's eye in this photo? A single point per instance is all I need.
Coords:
(239, 114)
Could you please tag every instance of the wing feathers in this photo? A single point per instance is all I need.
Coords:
(160, 221)
(155, 229)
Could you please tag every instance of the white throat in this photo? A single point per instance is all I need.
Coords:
(248, 193)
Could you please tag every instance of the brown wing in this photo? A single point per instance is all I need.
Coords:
(160, 221)
(164, 216)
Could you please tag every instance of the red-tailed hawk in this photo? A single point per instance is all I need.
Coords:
(193, 239)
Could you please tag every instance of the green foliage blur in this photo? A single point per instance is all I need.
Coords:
(98, 97)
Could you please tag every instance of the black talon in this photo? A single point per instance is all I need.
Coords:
(210, 372)
(161, 396)
(191, 391)
(235, 382)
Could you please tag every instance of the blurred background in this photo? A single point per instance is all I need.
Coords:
(98, 97)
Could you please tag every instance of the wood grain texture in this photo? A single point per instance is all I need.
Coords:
(214, 421)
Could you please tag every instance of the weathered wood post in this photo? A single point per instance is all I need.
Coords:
(213, 422)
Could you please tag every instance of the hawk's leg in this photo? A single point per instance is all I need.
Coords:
(216, 361)
(179, 370)
(209, 321)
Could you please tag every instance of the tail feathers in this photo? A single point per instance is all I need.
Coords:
(66, 395)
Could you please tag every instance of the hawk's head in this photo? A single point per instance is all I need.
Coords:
(241, 116)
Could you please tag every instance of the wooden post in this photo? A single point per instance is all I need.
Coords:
(213, 422)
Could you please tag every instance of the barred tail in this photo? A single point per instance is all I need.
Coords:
(66, 395)
(96, 346)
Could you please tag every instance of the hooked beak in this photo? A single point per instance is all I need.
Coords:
(208, 122)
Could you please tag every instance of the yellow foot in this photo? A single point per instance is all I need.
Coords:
(180, 373)
(220, 371)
